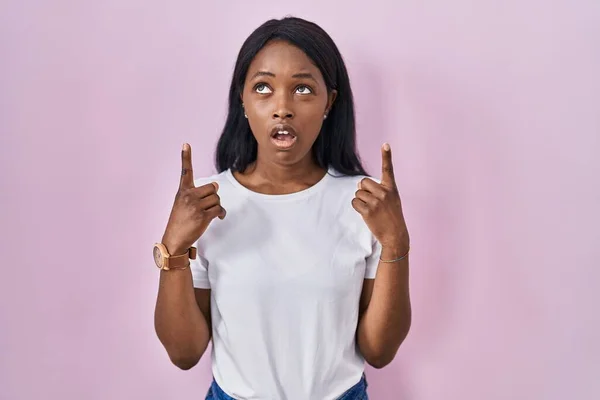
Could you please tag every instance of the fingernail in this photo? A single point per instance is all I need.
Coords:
(386, 147)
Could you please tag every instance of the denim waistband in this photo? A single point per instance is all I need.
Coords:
(356, 392)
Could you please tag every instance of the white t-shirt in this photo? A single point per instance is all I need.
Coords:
(286, 273)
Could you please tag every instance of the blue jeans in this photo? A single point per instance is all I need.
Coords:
(356, 392)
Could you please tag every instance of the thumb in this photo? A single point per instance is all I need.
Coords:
(222, 212)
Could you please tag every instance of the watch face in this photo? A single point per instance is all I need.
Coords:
(158, 258)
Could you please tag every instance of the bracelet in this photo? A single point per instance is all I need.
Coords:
(396, 259)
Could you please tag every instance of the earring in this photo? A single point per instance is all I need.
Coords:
(325, 116)
(245, 116)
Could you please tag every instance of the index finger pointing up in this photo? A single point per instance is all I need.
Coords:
(387, 168)
(187, 173)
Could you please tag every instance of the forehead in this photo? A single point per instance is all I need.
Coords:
(283, 59)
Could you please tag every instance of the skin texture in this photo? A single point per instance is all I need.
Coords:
(283, 86)
(385, 310)
(185, 333)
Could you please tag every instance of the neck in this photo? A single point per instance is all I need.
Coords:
(295, 176)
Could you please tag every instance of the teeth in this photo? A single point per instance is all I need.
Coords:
(283, 132)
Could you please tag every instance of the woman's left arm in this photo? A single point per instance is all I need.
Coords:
(385, 311)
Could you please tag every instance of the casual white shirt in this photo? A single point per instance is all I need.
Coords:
(286, 273)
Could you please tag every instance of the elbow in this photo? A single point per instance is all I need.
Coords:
(379, 365)
(184, 362)
(184, 357)
(381, 353)
(184, 354)
(378, 361)
(187, 357)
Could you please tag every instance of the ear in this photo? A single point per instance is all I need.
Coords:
(330, 99)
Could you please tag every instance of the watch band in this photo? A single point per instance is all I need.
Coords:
(166, 261)
(175, 262)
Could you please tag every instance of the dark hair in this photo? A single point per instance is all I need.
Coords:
(336, 144)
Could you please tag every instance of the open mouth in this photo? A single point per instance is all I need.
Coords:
(283, 136)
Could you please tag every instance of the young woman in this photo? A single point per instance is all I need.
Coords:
(305, 274)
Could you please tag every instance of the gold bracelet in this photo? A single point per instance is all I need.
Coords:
(395, 259)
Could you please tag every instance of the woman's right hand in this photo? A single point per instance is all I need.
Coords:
(193, 210)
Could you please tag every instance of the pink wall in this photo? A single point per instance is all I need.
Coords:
(492, 109)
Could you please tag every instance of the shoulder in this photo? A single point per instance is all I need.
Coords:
(220, 178)
(341, 190)
(340, 193)
(344, 183)
(227, 188)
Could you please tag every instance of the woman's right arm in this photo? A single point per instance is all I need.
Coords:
(182, 317)
(182, 313)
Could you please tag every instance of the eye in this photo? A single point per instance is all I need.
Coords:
(262, 89)
(303, 89)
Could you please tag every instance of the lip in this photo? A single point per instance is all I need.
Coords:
(283, 127)
(284, 146)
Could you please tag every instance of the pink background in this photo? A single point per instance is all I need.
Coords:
(492, 109)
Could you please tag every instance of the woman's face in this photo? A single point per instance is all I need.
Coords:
(285, 99)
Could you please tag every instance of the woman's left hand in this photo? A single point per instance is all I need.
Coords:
(379, 205)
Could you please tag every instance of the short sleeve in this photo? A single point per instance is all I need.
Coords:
(373, 260)
(199, 267)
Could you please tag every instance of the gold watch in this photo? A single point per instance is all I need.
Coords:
(166, 261)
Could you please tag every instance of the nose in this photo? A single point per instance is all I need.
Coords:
(283, 109)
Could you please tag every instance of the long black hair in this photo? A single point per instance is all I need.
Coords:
(336, 144)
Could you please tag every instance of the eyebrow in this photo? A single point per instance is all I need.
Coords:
(306, 75)
(263, 73)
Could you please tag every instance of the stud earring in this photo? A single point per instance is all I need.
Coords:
(245, 116)
(325, 116)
